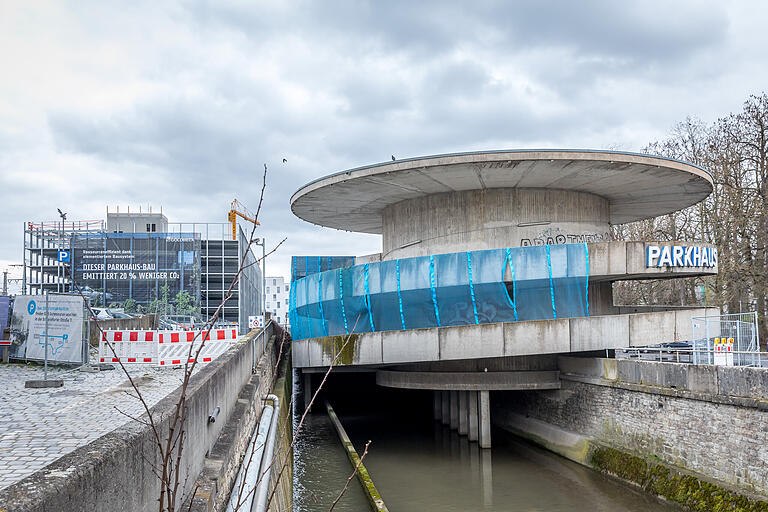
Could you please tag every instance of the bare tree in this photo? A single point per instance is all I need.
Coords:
(734, 149)
(170, 446)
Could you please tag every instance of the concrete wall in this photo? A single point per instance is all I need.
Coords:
(492, 219)
(144, 322)
(703, 419)
(114, 472)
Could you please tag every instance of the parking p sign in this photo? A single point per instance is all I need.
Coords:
(63, 256)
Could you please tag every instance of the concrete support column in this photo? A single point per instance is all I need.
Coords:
(472, 412)
(454, 410)
(437, 405)
(446, 406)
(484, 410)
(307, 389)
(463, 413)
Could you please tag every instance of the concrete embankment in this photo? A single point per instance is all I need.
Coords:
(369, 489)
(115, 472)
(692, 434)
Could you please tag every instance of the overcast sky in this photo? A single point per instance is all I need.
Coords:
(180, 104)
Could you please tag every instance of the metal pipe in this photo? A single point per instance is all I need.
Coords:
(249, 470)
(260, 502)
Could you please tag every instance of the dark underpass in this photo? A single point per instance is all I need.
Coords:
(418, 464)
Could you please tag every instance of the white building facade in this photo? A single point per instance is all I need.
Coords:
(277, 290)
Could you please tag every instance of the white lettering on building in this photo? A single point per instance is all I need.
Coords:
(680, 256)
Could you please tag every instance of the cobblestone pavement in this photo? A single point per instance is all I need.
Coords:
(37, 426)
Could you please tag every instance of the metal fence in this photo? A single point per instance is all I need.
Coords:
(726, 339)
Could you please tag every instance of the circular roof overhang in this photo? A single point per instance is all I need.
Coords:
(637, 186)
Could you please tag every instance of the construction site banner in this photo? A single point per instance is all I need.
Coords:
(113, 267)
(57, 318)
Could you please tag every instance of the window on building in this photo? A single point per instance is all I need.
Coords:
(278, 289)
(274, 297)
(148, 227)
(267, 289)
(154, 228)
(278, 305)
(274, 282)
(268, 305)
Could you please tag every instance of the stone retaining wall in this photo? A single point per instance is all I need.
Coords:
(704, 420)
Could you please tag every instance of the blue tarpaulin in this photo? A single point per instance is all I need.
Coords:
(500, 285)
(4, 306)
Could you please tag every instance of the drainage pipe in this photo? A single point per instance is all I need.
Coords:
(249, 473)
(260, 502)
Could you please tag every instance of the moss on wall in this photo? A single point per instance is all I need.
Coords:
(689, 491)
(333, 345)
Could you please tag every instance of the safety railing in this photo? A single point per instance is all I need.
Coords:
(259, 342)
(695, 356)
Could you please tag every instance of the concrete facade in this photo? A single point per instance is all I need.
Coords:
(636, 186)
(469, 342)
(492, 219)
(494, 200)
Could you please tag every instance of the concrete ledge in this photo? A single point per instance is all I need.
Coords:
(370, 491)
(470, 381)
(466, 342)
(570, 445)
(729, 385)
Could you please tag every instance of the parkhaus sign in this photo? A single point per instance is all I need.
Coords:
(680, 256)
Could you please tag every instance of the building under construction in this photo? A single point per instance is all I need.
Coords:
(142, 257)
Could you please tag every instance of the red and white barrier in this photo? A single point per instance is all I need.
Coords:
(164, 348)
(131, 347)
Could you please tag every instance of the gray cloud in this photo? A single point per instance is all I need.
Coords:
(182, 103)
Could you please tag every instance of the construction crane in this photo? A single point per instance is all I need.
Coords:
(238, 209)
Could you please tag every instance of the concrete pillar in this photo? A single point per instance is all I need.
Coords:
(472, 410)
(307, 384)
(437, 405)
(454, 410)
(446, 407)
(484, 419)
(463, 412)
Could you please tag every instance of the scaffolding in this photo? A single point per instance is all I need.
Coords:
(216, 259)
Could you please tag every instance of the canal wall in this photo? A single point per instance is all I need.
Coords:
(690, 433)
(115, 472)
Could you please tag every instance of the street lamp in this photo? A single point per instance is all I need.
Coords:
(60, 281)
(261, 242)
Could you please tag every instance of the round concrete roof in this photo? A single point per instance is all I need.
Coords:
(637, 186)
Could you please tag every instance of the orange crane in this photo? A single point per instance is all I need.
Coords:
(238, 209)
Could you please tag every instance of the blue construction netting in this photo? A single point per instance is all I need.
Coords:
(4, 313)
(500, 285)
(303, 266)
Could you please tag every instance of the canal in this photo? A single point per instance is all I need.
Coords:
(418, 464)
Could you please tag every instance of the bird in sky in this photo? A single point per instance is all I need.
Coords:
(285, 160)
(393, 158)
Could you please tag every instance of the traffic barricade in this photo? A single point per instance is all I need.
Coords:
(164, 348)
(130, 347)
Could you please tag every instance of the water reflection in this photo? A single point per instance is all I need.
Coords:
(422, 467)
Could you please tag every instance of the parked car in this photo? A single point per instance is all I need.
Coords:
(185, 322)
(101, 314)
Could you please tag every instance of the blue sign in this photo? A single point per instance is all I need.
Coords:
(31, 307)
(63, 256)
